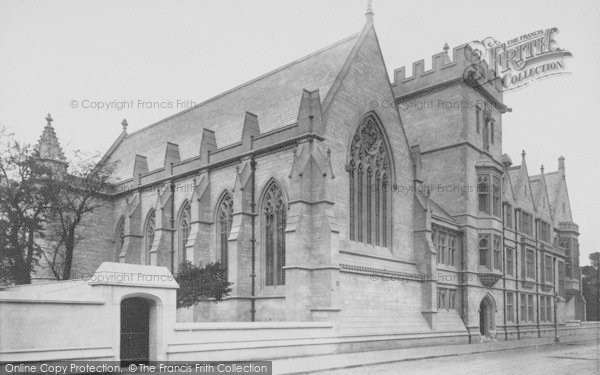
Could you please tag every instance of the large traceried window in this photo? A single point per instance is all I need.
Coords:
(183, 231)
(369, 177)
(149, 235)
(274, 216)
(224, 219)
(119, 238)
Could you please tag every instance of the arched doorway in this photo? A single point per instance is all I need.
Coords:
(487, 314)
(135, 330)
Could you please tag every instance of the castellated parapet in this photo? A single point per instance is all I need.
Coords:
(462, 68)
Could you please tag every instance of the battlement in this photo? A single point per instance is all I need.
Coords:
(444, 70)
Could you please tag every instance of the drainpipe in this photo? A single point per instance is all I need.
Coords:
(253, 241)
(556, 336)
(504, 270)
(172, 187)
(537, 277)
(517, 270)
(463, 288)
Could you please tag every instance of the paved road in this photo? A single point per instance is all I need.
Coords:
(581, 358)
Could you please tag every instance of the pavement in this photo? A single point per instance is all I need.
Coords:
(360, 362)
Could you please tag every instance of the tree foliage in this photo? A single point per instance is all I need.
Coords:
(23, 204)
(201, 282)
(42, 207)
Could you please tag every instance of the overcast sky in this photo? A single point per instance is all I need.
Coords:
(54, 54)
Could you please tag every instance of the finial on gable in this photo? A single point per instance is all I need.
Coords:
(124, 124)
(49, 120)
(369, 13)
(542, 169)
(561, 163)
(446, 48)
(523, 154)
(561, 166)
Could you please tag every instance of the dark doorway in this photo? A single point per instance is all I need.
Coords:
(482, 319)
(486, 317)
(135, 331)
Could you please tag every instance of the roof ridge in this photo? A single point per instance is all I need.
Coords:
(263, 76)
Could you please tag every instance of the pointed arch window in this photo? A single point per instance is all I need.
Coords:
(224, 220)
(275, 218)
(369, 175)
(183, 231)
(149, 234)
(119, 237)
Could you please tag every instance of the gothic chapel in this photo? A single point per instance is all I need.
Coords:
(324, 204)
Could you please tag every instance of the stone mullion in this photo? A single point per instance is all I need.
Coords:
(365, 214)
(355, 198)
(369, 203)
(377, 199)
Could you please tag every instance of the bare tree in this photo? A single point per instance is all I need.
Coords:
(73, 197)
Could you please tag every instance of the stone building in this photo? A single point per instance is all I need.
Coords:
(333, 194)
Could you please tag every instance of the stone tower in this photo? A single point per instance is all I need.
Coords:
(455, 123)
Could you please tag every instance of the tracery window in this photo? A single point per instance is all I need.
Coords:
(149, 234)
(275, 216)
(183, 231)
(224, 219)
(369, 176)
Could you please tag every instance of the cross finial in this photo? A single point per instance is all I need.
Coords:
(49, 119)
(446, 48)
(542, 168)
(124, 123)
(369, 13)
(523, 154)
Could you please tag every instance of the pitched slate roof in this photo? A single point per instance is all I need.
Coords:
(552, 184)
(440, 212)
(436, 209)
(515, 175)
(273, 97)
(536, 187)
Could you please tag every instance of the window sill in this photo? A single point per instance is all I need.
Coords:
(272, 290)
(370, 249)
